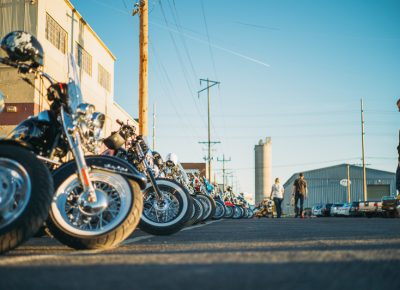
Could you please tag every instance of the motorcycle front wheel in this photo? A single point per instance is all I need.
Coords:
(26, 189)
(169, 214)
(237, 212)
(209, 206)
(103, 224)
(219, 210)
(229, 212)
(197, 212)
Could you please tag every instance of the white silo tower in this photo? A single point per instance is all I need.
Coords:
(263, 168)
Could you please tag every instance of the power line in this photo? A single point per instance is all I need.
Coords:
(162, 69)
(208, 38)
(174, 12)
(189, 86)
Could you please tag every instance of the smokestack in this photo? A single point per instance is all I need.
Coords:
(263, 169)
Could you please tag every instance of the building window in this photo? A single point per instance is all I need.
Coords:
(104, 78)
(56, 34)
(84, 59)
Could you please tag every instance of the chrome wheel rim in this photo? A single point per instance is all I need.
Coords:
(69, 214)
(237, 212)
(219, 210)
(228, 210)
(201, 208)
(15, 190)
(207, 205)
(171, 208)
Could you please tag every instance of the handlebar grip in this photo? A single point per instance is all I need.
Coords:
(119, 122)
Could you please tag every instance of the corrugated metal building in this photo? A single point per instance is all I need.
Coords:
(325, 185)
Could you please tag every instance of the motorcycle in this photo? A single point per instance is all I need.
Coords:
(202, 190)
(229, 204)
(264, 209)
(97, 201)
(26, 189)
(167, 205)
(210, 190)
(174, 170)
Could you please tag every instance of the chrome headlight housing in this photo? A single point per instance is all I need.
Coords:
(91, 125)
(98, 120)
(85, 110)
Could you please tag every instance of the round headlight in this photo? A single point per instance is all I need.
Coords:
(85, 109)
(98, 119)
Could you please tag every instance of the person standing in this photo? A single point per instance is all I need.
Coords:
(398, 164)
(277, 191)
(300, 191)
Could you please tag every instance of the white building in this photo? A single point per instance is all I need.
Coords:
(61, 30)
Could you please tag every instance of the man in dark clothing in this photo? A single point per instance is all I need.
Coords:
(300, 191)
(398, 164)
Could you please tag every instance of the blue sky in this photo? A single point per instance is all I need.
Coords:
(294, 70)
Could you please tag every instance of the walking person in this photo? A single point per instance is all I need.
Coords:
(277, 191)
(300, 191)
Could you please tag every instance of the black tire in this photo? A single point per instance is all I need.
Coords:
(250, 213)
(181, 196)
(238, 212)
(209, 206)
(229, 212)
(196, 212)
(81, 239)
(220, 210)
(199, 215)
(35, 212)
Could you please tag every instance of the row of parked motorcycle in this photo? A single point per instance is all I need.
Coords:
(90, 192)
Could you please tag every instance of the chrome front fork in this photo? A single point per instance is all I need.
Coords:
(83, 169)
(76, 148)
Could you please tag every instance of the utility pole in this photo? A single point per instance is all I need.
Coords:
(223, 160)
(363, 152)
(142, 9)
(210, 84)
(348, 183)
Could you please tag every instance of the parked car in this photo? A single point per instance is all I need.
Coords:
(317, 210)
(334, 208)
(355, 209)
(371, 208)
(326, 209)
(389, 204)
(344, 210)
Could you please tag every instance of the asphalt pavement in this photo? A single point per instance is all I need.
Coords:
(314, 253)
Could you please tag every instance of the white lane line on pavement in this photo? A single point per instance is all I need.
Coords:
(134, 240)
(201, 225)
